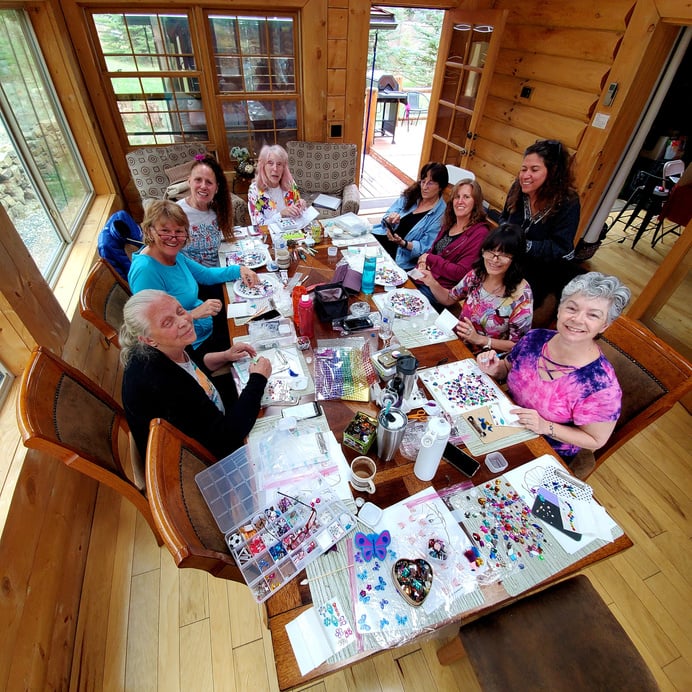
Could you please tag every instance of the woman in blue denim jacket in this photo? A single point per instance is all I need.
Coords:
(412, 223)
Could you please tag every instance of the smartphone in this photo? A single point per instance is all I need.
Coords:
(460, 460)
(354, 324)
(302, 411)
(269, 315)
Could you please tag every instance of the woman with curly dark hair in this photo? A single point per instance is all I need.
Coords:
(410, 225)
(544, 202)
(496, 301)
(208, 208)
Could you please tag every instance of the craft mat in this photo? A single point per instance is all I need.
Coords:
(278, 382)
(442, 384)
(240, 247)
(338, 585)
(527, 570)
(412, 332)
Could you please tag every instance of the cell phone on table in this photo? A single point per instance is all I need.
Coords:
(269, 315)
(460, 460)
(302, 411)
(354, 324)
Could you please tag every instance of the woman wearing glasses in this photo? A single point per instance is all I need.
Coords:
(544, 202)
(456, 247)
(160, 264)
(496, 301)
(410, 225)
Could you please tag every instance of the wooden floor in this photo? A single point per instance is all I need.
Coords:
(145, 625)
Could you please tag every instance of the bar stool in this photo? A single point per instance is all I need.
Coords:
(649, 195)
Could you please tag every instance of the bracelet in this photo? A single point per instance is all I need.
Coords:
(552, 432)
(489, 346)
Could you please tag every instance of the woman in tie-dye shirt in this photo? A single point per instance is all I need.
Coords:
(496, 301)
(564, 386)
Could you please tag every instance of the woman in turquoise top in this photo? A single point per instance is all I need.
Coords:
(412, 223)
(160, 264)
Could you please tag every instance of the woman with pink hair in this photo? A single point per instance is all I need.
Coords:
(273, 192)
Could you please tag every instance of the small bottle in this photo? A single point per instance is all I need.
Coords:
(298, 292)
(306, 316)
(369, 265)
(432, 447)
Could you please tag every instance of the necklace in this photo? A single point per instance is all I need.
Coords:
(496, 291)
(551, 368)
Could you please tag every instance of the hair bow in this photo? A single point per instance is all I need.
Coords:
(200, 157)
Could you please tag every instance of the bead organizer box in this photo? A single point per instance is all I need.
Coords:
(272, 535)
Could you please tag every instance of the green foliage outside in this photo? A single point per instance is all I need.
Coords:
(409, 51)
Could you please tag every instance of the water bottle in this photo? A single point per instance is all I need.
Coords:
(306, 316)
(298, 292)
(369, 265)
(432, 447)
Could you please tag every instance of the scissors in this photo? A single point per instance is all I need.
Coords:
(418, 414)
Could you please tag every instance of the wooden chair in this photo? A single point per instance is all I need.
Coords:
(62, 412)
(652, 376)
(179, 509)
(102, 300)
(563, 638)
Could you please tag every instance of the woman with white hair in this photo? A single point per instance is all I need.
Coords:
(160, 380)
(273, 193)
(564, 386)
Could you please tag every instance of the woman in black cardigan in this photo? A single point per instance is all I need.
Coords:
(161, 380)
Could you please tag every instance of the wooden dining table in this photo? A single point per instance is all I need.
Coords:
(395, 482)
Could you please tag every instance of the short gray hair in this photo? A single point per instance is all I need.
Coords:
(136, 322)
(597, 285)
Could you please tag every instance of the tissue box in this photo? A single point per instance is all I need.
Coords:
(360, 433)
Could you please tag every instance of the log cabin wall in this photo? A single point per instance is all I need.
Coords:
(568, 52)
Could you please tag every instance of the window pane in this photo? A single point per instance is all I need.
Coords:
(43, 185)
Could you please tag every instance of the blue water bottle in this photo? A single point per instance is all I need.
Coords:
(369, 265)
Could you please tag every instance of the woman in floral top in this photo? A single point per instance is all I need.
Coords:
(496, 302)
(564, 386)
(273, 192)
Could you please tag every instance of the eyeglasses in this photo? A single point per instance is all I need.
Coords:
(555, 143)
(168, 235)
(426, 182)
(497, 256)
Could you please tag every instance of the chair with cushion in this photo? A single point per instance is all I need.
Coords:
(118, 239)
(325, 169)
(162, 173)
(677, 208)
(61, 412)
(179, 509)
(563, 638)
(652, 376)
(103, 298)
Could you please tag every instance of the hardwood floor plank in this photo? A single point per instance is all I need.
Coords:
(642, 612)
(169, 623)
(458, 676)
(675, 546)
(196, 671)
(366, 679)
(269, 664)
(679, 674)
(415, 672)
(194, 603)
(142, 637)
(119, 632)
(246, 624)
(678, 605)
(147, 554)
(221, 635)
(250, 671)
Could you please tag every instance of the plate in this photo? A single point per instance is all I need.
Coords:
(390, 276)
(405, 303)
(252, 260)
(263, 289)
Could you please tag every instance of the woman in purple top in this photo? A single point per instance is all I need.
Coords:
(563, 385)
(496, 301)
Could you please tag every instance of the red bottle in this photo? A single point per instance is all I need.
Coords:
(298, 292)
(306, 316)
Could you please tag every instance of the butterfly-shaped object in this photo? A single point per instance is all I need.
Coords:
(362, 624)
(373, 544)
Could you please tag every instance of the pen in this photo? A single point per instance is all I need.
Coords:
(476, 427)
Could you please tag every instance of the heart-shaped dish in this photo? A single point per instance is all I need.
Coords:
(412, 579)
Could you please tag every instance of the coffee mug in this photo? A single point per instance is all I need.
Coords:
(363, 471)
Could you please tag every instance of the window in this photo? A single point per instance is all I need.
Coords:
(157, 76)
(43, 184)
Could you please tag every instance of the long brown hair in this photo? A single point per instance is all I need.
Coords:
(478, 214)
(221, 203)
